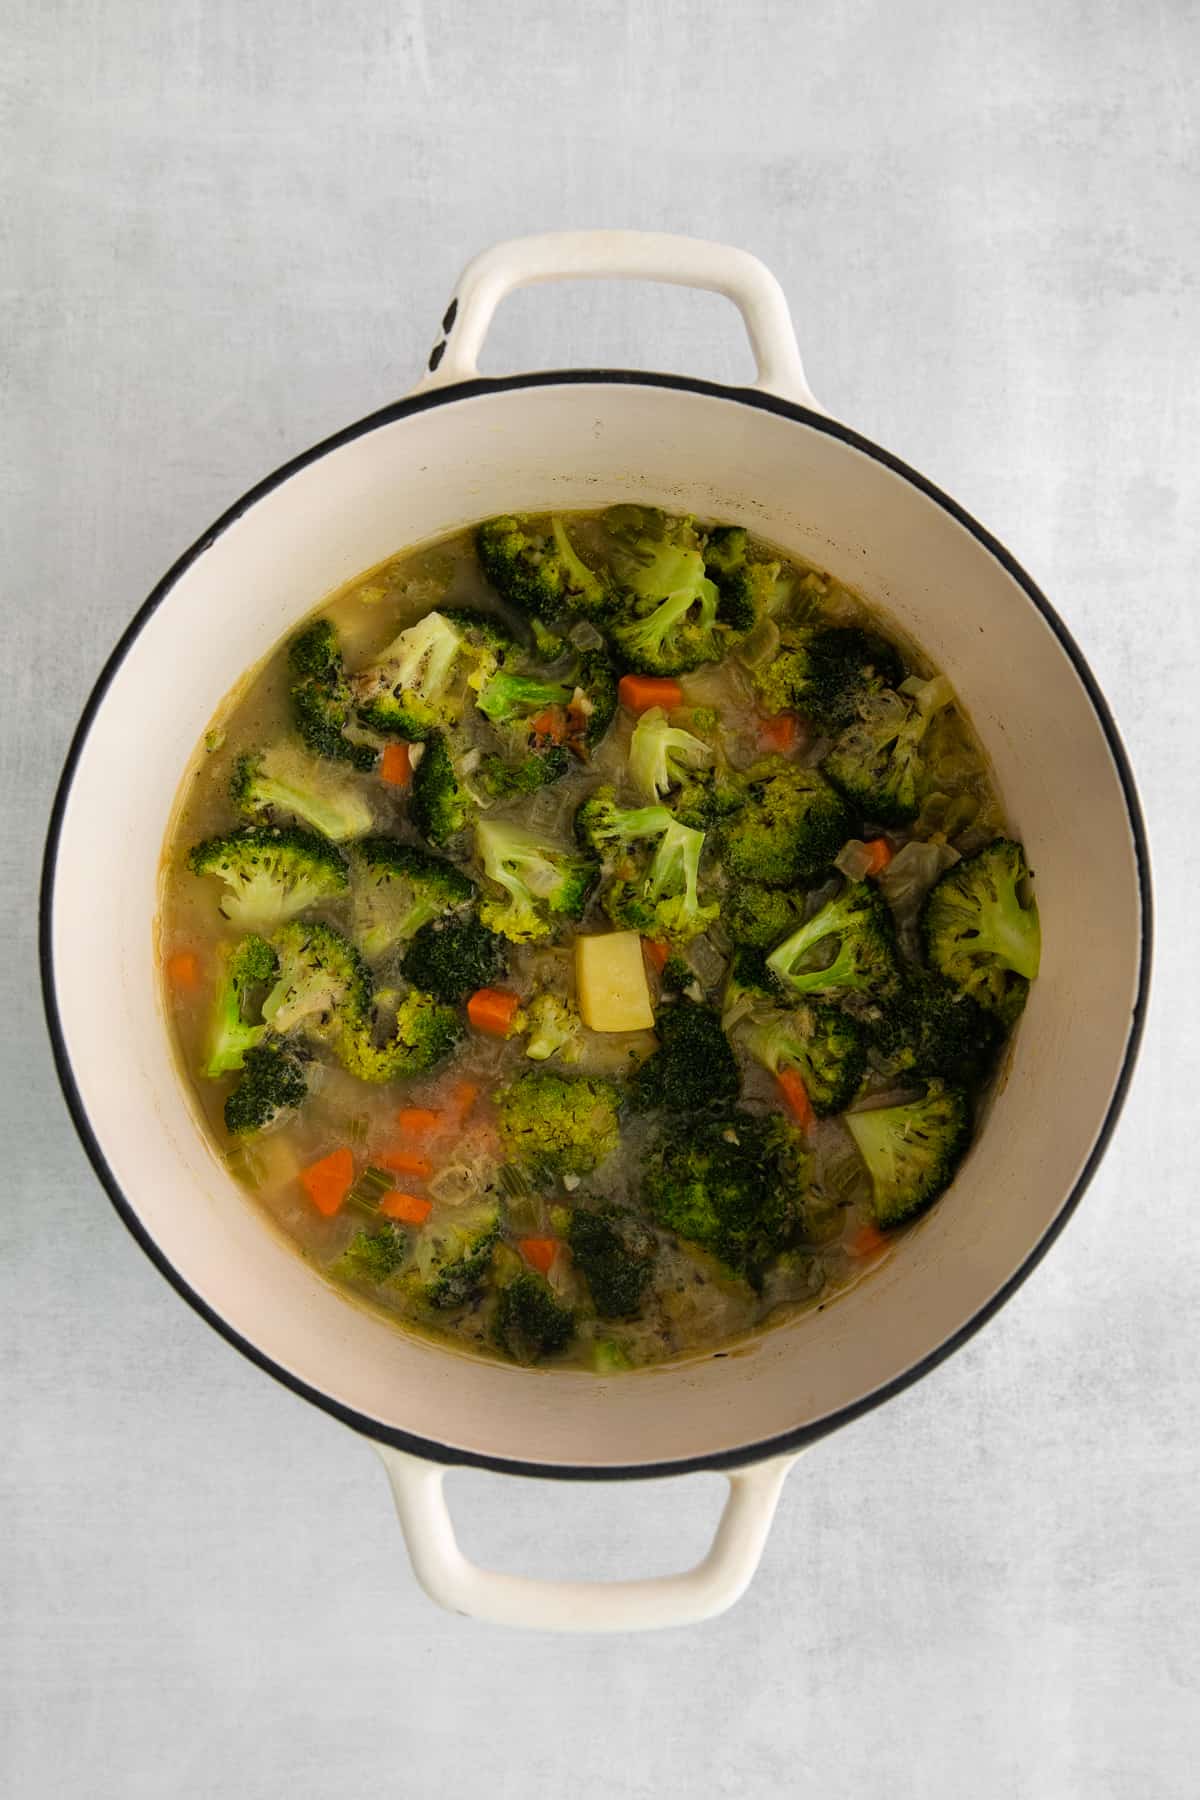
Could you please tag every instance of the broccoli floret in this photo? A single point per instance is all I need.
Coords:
(531, 717)
(826, 673)
(558, 1125)
(542, 882)
(546, 718)
(272, 872)
(554, 1029)
(608, 829)
(537, 571)
(662, 756)
(981, 930)
(758, 915)
(320, 696)
(593, 703)
(422, 1034)
(441, 800)
(664, 903)
(748, 590)
(693, 1067)
(507, 696)
(855, 936)
(668, 614)
(876, 762)
(279, 781)
(734, 1184)
(273, 1082)
(406, 692)
(486, 644)
(911, 1152)
(399, 888)
(373, 1257)
(679, 634)
(748, 983)
(321, 981)
(450, 958)
(500, 779)
(826, 1048)
(930, 1027)
(615, 1252)
(530, 1323)
(452, 1258)
(245, 968)
(788, 827)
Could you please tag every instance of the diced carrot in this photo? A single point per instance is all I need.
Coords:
(493, 1011)
(550, 725)
(404, 1162)
(640, 692)
(328, 1181)
(183, 969)
(464, 1094)
(880, 852)
(410, 1209)
(418, 1121)
(796, 1099)
(779, 733)
(395, 765)
(868, 1240)
(539, 1253)
(656, 954)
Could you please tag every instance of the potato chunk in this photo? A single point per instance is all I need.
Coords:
(610, 976)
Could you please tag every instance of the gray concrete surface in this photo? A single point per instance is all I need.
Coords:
(228, 230)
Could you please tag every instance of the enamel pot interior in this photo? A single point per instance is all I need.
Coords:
(425, 468)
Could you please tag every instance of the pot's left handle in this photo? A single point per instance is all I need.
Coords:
(631, 256)
(700, 1593)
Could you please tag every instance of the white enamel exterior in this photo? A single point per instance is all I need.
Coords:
(583, 444)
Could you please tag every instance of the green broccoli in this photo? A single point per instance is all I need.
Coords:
(849, 947)
(734, 1184)
(530, 717)
(607, 829)
(826, 1048)
(407, 690)
(788, 827)
(981, 930)
(539, 572)
(748, 983)
(693, 1067)
(749, 590)
(450, 958)
(663, 756)
(530, 1323)
(422, 1034)
(487, 644)
(442, 802)
(321, 982)
(930, 1027)
(554, 1029)
(321, 699)
(373, 1257)
(272, 872)
(678, 635)
(267, 784)
(452, 1258)
(876, 762)
(664, 902)
(615, 1252)
(542, 882)
(246, 967)
(399, 888)
(273, 1082)
(911, 1152)
(593, 703)
(826, 673)
(558, 1125)
(548, 718)
(758, 915)
(507, 696)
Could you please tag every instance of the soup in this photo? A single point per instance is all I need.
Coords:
(591, 939)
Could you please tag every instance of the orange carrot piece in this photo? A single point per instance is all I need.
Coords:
(640, 692)
(539, 1253)
(656, 954)
(795, 1096)
(464, 1095)
(492, 1011)
(183, 969)
(395, 765)
(328, 1181)
(880, 852)
(404, 1162)
(410, 1209)
(867, 1241)
(418, 1121)
(779, 733)
(550, 725)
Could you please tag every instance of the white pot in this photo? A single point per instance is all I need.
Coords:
(455, 450)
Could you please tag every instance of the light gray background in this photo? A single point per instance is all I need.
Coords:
(231, 229)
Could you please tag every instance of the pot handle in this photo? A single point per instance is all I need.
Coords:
(644, 1605)
(621, 255)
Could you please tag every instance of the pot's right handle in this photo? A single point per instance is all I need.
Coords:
(622, 255)
(700, 1593)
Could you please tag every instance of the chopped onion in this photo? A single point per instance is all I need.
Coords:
(415, 753)
(910, 875)
(584, 636)
(854, 859)
(454, 1184)
(759, 645)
